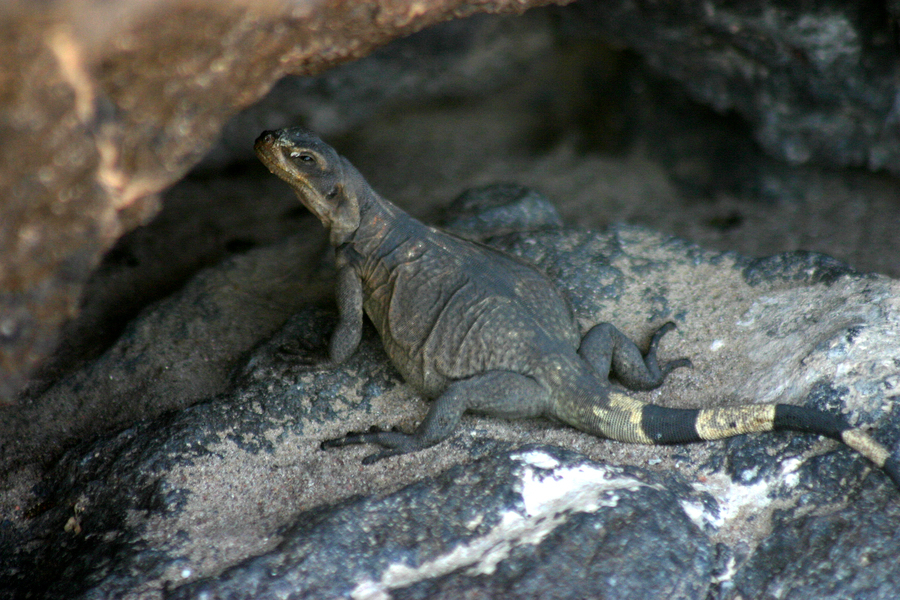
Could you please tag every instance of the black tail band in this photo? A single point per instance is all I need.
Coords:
(808, 420)
(669, 425)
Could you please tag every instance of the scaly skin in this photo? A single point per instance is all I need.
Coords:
(478, 330)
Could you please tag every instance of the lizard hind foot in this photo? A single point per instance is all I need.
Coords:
(667, 367)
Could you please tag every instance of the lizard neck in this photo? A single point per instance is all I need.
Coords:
(369, 216)
(378, 220)
(381, 225)
(383, 235)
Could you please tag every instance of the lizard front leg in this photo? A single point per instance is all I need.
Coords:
(499, 393)
(346, 336)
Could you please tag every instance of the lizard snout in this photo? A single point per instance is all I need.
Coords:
(266, 138)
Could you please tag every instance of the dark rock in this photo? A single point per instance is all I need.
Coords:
(808, 267)
(115, 488)
(816, 81)
(207, 326)
(534, 522)
(498, 209)
(472, 57)
(850, 553)
(232, 497)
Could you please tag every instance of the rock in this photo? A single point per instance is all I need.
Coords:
(530, 523)
(818, 555)
(472, 57)
(207, 327)
(498, 209)
(233, 498)
(108, 106)
(207, 220)
(105, 106)
(818, 83)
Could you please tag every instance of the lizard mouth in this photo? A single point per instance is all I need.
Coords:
(272, 150)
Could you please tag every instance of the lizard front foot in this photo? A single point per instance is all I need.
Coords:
(394, 443)
(304, 355)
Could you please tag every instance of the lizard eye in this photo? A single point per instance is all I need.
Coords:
(302, 156)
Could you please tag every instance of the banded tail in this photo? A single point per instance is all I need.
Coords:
(627, 419)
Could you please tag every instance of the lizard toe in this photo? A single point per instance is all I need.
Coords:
(676, 364)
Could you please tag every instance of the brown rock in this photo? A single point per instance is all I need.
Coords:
(103, 105)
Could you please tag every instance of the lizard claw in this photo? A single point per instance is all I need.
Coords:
(353, 437)
(304, 355)
(676, 364)
(666, 328)
(670, 366)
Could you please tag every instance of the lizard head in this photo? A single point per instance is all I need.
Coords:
(318, 175)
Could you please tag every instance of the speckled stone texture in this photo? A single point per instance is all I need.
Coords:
(232, 497)
(170, 446)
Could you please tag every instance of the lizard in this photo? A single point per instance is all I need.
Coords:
(477, 330)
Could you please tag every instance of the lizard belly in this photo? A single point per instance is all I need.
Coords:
(403, 352)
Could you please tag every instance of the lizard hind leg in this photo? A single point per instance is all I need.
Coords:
(609, 351)
(499, 393)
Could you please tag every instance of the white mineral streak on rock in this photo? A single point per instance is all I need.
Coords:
(550, 493)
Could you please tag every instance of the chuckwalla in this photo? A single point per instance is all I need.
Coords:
(478, 330)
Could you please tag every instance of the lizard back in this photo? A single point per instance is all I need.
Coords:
(447, 308)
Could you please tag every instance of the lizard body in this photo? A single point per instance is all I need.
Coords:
(479, 330)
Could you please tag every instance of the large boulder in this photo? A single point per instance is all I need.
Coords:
(232, 497)
(104, 105)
